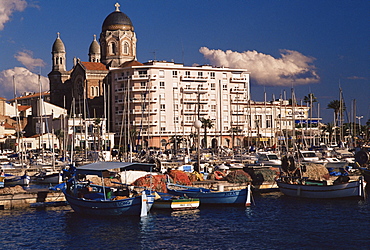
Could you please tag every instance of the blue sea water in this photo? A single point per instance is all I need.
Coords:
(274, 221)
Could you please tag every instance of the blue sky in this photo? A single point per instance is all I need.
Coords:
(313, 46)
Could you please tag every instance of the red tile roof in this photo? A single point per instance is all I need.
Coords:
(23, 107)
(46, 93)
(94, 66)
(131, 63)
(8, 126)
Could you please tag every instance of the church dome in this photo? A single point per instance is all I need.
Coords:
(58, 45)
(117, 20)
(94, 47)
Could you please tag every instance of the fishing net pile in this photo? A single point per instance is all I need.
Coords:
(153, 182)
(238, 176)
(315, 171)
(107, 181)
(263, 175)
(179, 177)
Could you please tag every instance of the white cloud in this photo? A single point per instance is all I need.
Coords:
(26, 58)
(25, 81)
(293, 68)
(7, 7)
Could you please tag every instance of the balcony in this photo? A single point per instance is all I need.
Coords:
(140, 112)
(195, 100)
(239, 90)
(146, 100)
(144, 89)
(194, 78)
(119, 90)
(238, 79)
(121, 78)
(144, 123)
(237, 112)
(239, 100)
(188, 89)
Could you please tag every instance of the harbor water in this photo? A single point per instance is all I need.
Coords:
(274, 221)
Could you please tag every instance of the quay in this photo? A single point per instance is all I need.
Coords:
(16, 198)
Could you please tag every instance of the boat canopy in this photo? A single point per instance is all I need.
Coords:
(97, 168)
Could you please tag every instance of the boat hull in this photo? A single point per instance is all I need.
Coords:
(213, 197)
(13, 180)
(176, 204)
(350, 189)
(130, 206)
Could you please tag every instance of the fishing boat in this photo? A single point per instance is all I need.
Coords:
(88, 198)
(209, 196)
(48, 177)
(14, 180)
(172, 202)
(306, 188)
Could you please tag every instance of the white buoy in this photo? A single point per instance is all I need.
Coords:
(248, 202)
(144, 209)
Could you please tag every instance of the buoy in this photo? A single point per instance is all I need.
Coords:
(248, 202)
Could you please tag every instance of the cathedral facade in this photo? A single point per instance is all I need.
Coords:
(81, 90)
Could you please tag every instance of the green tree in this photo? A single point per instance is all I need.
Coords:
(175, 141)
(206, 124)
(338, 107)
(307, 99)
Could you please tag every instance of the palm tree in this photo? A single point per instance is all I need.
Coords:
(309, 97)
(206, 124)
(337, 106)
(176, 140)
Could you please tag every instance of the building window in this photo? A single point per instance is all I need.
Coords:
(213, 75)
(176, 119)
(258, 121)
(143, 84)
(187, 73)
(113, 48)
(224, 86)
(96, 91)
(268, 121)
(161, 74)
(174, 74)
(213, 108)
(126, 48)
(176, 107)
(200, 74)
(161, 85)
(163, 129)
(213, 86)
(61, 60)
(92, 91)
(163, 107)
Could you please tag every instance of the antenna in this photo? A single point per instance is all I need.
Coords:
(154, 53)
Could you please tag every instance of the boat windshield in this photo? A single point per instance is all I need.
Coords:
(309, 154)
(273, 157)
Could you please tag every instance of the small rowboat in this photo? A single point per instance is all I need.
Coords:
(168, 201)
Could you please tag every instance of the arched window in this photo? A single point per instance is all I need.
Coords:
(56, 60)
(113, 48)
(61, 60)
(92, 91)
(126, 48)
(96, 91)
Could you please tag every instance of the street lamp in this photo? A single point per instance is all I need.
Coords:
(198, 125)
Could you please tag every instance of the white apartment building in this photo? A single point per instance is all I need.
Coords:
(164, 99)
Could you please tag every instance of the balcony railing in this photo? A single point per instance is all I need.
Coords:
(194, 78)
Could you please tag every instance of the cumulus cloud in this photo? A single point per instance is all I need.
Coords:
(293, 68)
(26, 58)
(25, 81)
(7, 7)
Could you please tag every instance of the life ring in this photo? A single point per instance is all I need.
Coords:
(219, 175)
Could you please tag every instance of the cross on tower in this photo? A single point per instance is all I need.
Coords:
(117, 6)
(58, 34)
